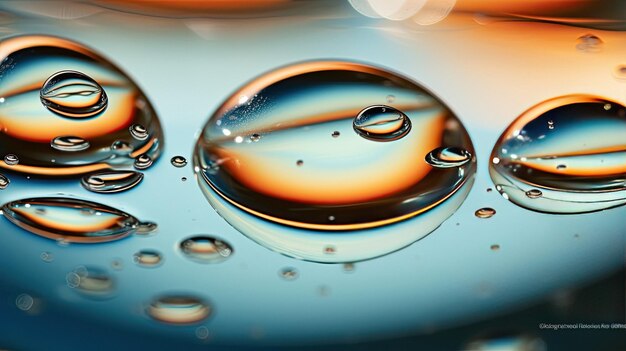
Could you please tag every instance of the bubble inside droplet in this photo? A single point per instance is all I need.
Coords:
(69, 143)
(205, 249)
(111, 181)
(46, 257)
(589, 43)
(178, 161)
(24, 302)
(299, 177)
(78, 115)
(179, 309)
(148, 258)
(577, 168)
(382, 123)
(70, 219)
(73, 94)
(448, 157)
(485, 212)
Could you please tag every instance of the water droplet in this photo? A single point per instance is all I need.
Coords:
(330, 250)
(121, 147)
(139, 132)
(336, 134)
(77, 101)
(495, 247)
(143, 161)
(589, 43)
(117, 264)
(382, 123)
(289, 273)
(69, 144)
(146, 228)
(202, 333)
(11, 160)
(448, 157)
(255, 137)
(205, 249)
(72, 220)
(184, 179)
(179, 309)
(4, 182)
(148, 258)
(24, 302)
(179, 161)
(489, 190)
(508, 341)
(578, 169)
(620, 72)
(550, 124)
(390, 99)
(348, 267)
(46, 257)
(534, 193)
(73, 94)
(298, 176)
(111, 181)
(91, 282)
(485, 212)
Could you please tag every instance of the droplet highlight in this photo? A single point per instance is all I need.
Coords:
(578, 167)
(179, 309)
(111, 181)
(73, 94)
(382, 123)
(71, 220)
(205, 249)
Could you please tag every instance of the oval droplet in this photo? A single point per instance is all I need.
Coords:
(69, 143)
(589, 43)
(205, 249)
(91, 281)
(4, 182)
(579, 167)
(139, 132)
(71, 220)
(31, 129)
(178, 161)
(485, 212)
(24, 302)
(146, 228)
(179, 309)
(382, 123)
(73, 94)
(121, 147)
(448, 157)
(148, 258)
(620, 72)
(142, 162)
(299, 176)
(111, 181)
(534, 193)
(11, 159)
(289, 273)
(255, 137)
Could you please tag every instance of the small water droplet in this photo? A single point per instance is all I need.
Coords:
(179, 309)
(336, 134)
(489, 190)
(289, 273)
(24, 302)
(69, 144)
(11, 159)
(495, 247)
(148, 258)
(330, 250)
(117, 264)
(448, 157)
(205, 249)
(46, 257)
(299, 163)
(607, 106)
(184, 179)
(111, 181)
(390, 98)
(534, 193)
(620, 72)
(550, 124)
(142, 162)
(485, 212)
(91, 281)
(121, 147)
(69, 219)
(202, 333)
(4, 182)
(146, 228)
(73, 94)
(255, 137)
(561, 167)
(589, 43)
(138, 132)
(348, 267)
(382, 123)
(178, 161)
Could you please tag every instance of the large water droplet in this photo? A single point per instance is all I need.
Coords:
(4, 181)
(382, 123)
(179, 309)
(69, 143)
(68, 219)
(205, 249)
(148, 258)
(111, 181)
(29, 129)
(91, 282)
(73, 94)
(448, 157)
(578, 167)
(298, 176)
